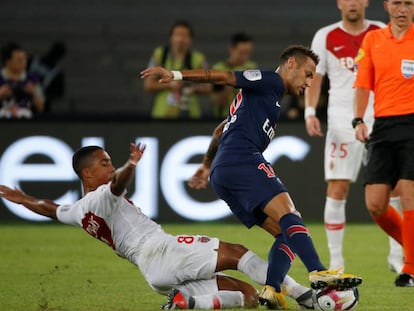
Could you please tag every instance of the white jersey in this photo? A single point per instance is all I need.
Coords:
(337, 50)
(112, 219)
(166, 261)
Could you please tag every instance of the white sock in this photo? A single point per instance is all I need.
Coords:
(396, 249)
(292, 288)
(253, 266)
(221, 300)
(334, 217)
(256, 269)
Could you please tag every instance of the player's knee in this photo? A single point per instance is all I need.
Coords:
(376, 208)
(236, 250)
(338, 189)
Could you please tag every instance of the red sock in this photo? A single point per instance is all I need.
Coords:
(391, 222)
(408, 240)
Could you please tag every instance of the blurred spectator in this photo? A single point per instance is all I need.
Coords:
(20, 92)
(240, 50)
(178, 98)
(49, 69)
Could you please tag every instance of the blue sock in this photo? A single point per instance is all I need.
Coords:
(297, 236)
(280, 261)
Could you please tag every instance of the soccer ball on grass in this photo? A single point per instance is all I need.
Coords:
(337, 299)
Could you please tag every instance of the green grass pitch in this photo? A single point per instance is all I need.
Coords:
(58, 267)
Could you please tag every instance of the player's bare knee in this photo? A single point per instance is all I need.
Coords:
(236, 250)
(338, 189)
(376, 210)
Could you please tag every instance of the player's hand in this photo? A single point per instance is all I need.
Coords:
(200, 179)
(164, 75)
(313, 126)
(5, 91)
(30, 88)
(13, 195)
(361, 132)
(136, 152)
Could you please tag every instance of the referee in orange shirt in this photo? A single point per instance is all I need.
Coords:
(386, 66)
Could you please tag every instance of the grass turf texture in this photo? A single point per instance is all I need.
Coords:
(58, 267)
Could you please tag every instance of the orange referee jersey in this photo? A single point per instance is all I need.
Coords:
(386, 66)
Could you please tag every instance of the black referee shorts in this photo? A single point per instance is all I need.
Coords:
(390, 150)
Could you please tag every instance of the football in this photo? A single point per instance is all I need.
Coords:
(337, 299)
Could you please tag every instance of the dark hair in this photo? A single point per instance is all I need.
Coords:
(300, 52)
(81, 158)
(240, 37)
(182, 23)
(7, 51)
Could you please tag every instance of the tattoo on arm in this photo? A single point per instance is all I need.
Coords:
(211, 76)
(213, 147)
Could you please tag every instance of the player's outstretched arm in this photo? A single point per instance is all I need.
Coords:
(124, 174)
(39, 206)
(200, 178)
(197, 75)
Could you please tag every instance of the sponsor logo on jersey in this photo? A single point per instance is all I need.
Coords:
(268, 129)
(252, 75)
(97, 227)
(347, 63)
(407, 68)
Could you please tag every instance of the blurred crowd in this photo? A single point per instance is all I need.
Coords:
(29, 84)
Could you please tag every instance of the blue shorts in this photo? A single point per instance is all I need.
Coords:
(247, 187)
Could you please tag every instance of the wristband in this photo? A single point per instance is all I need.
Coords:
(310, 111)
(132, 163)
(177, 75)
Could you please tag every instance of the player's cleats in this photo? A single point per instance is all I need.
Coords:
(395, 263)
(305, 301)
(333, 278)
(271, 299)
(404, 280)
(176, 300)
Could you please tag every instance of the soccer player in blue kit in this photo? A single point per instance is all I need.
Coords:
(241, 176)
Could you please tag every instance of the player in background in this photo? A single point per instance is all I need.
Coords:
(337, 46)
(246, 181)
(240, 51)
(386, 66)
(186, 265)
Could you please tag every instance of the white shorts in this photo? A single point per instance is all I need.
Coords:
(170, 261)
(343, 154)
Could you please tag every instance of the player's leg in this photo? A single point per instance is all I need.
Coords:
(379, 177)
(249, 185)
(342, 161)
(281, 209)
(396, 254)
(237, 257)
(219, 292)
(405, 167)
(334, 219)
(406, 278)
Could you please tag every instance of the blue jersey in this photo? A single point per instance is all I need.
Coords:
(253, 115)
